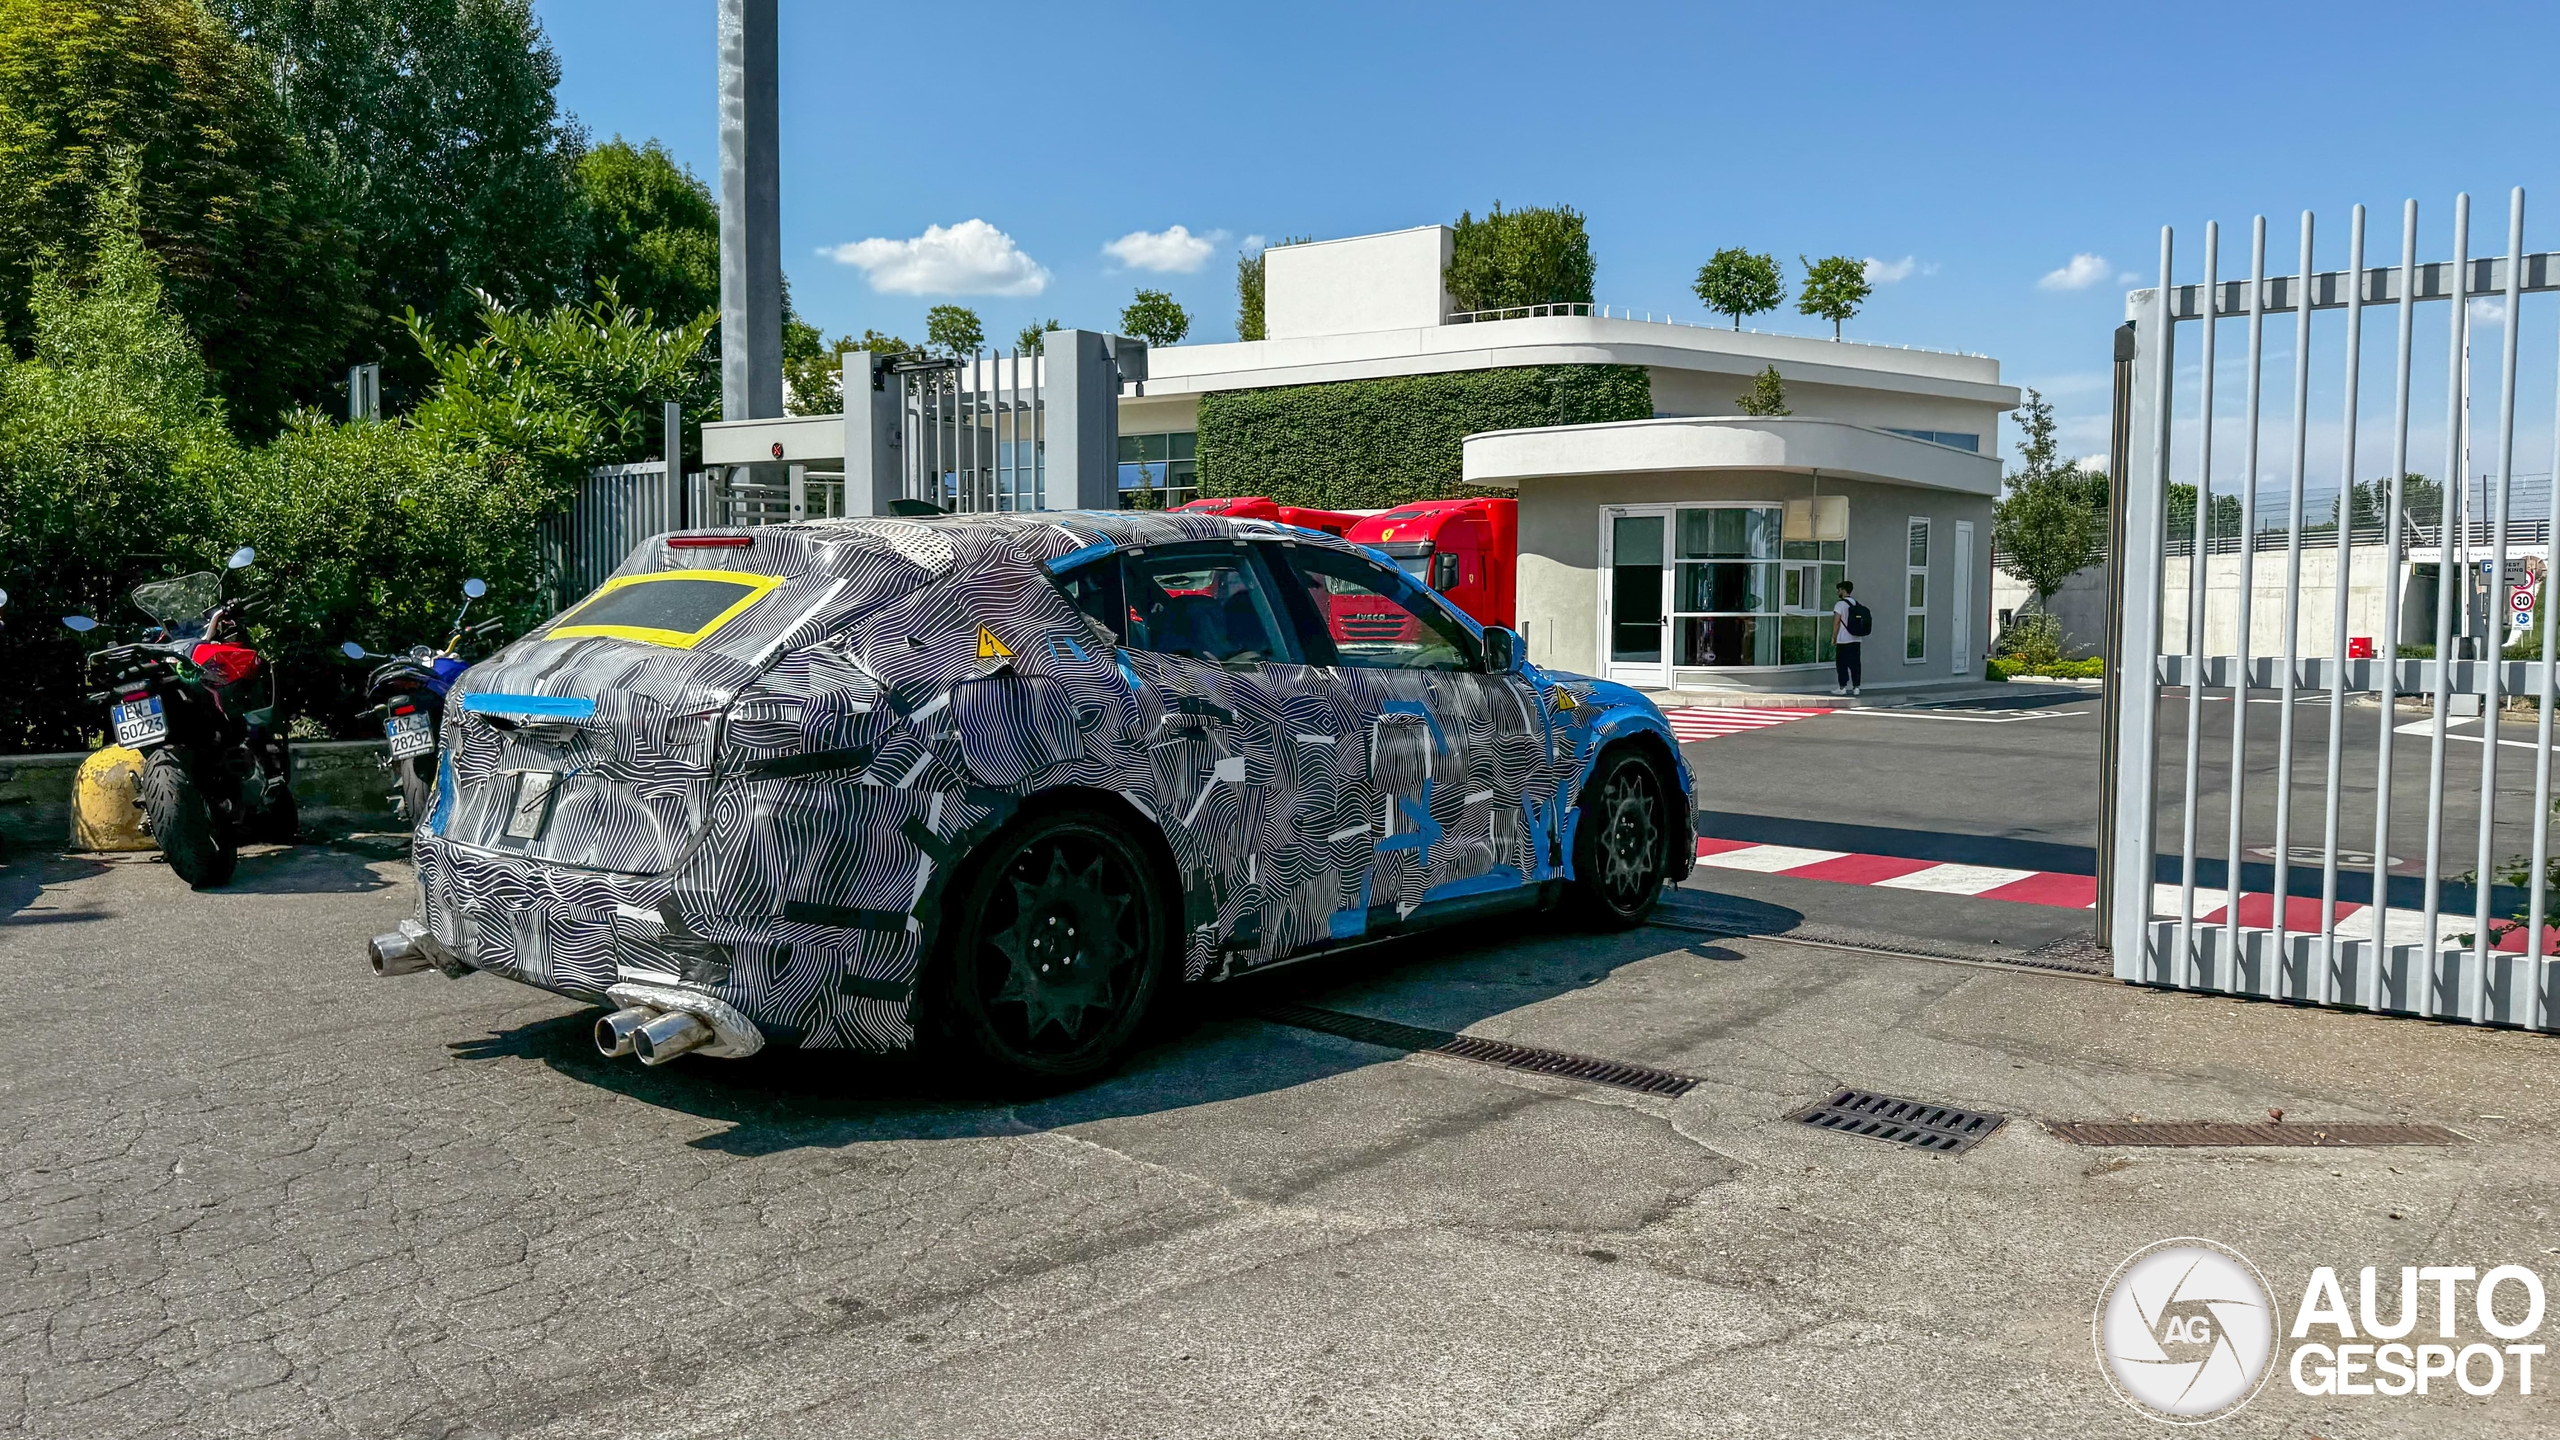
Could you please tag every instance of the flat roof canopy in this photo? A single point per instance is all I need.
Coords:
(1793, 444)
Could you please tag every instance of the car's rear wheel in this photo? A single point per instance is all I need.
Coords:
(1056, 944)
(1618, 841)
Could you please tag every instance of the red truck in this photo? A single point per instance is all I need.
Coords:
(1257, 507)
(1468, 550)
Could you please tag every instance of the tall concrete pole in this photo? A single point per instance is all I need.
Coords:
(750, 214)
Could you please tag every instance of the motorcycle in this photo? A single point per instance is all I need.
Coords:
(409, 696)
(200, 704)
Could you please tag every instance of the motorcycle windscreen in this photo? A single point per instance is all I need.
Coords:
(595, 740)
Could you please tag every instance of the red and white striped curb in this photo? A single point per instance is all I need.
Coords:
(2080, 892)
(1708, 722)
(1892, 872)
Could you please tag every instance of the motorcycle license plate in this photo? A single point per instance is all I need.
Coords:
(410, 735)
(140, 722)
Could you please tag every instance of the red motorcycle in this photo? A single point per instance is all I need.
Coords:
(199, 702)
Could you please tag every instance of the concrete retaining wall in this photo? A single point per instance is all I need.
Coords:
(339, 784)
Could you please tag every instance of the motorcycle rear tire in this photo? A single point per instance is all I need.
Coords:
(183, 824)
(417, 786)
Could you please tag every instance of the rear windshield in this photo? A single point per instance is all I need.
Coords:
(681, 608)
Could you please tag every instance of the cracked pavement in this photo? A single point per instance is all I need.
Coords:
(254, 1190)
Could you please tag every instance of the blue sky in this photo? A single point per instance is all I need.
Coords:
(2009, 163)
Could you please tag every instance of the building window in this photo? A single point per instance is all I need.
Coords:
(1915, 600)
(1159, 472)
(1816, 551)
(1725, 586)
(1955, 439)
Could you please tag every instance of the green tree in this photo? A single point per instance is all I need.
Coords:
(1155, 318)
(2421, 501)
(652, 230)
(1535, 256)
(1030, 340)
(2224, 523)
(1834, 288)
(1767, 395)
(440, 116)
(1249, 290)
(1737, 282)
(108, 433)
(954, 330)
(2054, 516)
(248, 225)
(571, 388)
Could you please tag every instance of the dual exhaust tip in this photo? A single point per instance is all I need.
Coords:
(656, 1036)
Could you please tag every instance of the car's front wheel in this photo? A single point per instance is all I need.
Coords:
(1057, 941)
(1618, 841)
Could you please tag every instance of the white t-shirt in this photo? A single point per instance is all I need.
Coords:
(1840, 625)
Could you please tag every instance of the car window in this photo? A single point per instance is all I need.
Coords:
(1358, 613)
(1094, 589)
(1210, 601)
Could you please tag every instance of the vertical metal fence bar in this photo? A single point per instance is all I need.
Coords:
(2278, 919)
(2482, 943)
(2190, 967)
(2248, 588)
(2140, 571)
(2446, 582)
(2530, 1011)
(2333, 774)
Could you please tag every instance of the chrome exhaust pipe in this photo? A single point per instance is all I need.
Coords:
(396, 952)
(614, 1031)
(664, 1037)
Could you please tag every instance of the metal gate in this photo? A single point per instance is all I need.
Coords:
(969, 435)
(2372, 737)
(615, 508)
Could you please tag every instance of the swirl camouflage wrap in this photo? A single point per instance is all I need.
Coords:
(747, 766)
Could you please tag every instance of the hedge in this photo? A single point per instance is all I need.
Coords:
(1370, 444)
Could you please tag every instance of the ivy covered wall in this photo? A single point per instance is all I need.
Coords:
(1369, 444)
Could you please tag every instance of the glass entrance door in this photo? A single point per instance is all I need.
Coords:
(1633, 618)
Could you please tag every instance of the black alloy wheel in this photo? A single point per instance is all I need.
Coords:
(1056, 948)
(1618, 842)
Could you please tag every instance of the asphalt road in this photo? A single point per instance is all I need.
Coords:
(255, 1191)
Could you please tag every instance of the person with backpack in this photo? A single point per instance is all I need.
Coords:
(1850, 623)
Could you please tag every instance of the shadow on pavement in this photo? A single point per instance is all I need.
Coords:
(1210, 1049)
(304, 870)
(22, 885)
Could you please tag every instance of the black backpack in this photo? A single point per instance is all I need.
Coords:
(1861, 619)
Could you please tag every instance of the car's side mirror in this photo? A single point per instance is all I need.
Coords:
(1502, 651)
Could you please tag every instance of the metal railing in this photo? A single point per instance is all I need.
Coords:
(615, 508)
(2402, 952)
(1585, 310)
(971, 431)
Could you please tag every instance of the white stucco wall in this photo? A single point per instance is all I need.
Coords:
(1364, 283)
(1559, 576)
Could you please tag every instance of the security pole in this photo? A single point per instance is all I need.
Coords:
(673, 415)
(750, 214)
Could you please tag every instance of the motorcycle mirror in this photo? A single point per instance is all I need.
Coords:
(81, 623)
(242, 557)
(354, 651)
(4, 597)
(475, 587)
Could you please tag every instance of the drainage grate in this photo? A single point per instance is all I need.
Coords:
(2216, 1132)
(1915, 1123)
(1561, 1064)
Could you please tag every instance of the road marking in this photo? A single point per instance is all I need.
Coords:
(2428, 728)
(1708, 722)
(1768, 859)
(1958, 879)
(1971, 717)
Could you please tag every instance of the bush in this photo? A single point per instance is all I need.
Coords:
(366, 533)
(1369, 444)
(2032, 645)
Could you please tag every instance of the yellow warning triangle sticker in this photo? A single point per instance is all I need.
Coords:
(991, 648)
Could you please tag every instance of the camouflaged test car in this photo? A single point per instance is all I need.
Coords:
(994, 781)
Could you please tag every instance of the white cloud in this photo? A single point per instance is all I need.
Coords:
(1173, 249)
(2083, 271)
(2488, 310)
(2127, 277)
(1886, 272)
(1254, 243)
(970, 258)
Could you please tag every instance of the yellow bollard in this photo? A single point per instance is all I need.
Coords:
(106, 809)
